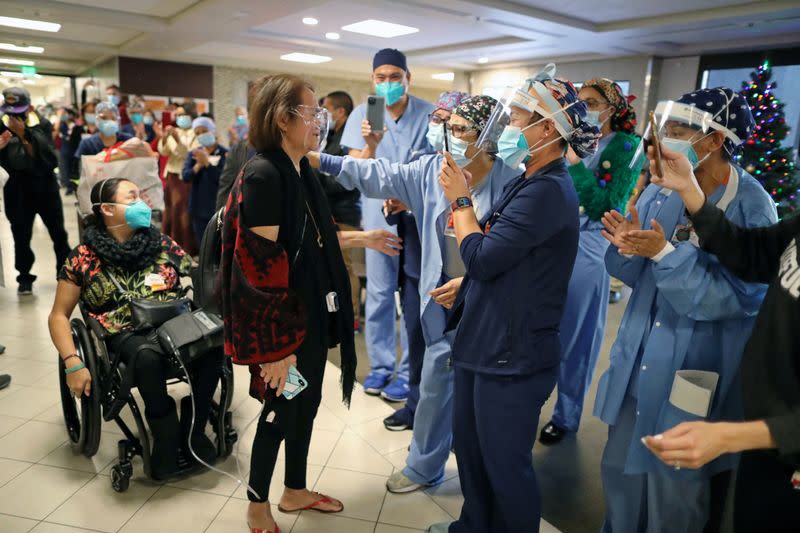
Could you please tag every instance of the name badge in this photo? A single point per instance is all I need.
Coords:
(155, 282)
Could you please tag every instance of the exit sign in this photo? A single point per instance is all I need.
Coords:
(28, 71)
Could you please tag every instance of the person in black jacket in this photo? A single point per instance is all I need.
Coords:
(767, 495)
(28, 154)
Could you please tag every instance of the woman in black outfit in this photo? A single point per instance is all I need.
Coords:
(767, 493)
(281, 264)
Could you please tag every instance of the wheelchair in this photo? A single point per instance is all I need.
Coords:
(83, 416)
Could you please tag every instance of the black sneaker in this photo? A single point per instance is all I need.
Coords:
(25, 288)
(551, 434)
(398, 422)
(5, 381)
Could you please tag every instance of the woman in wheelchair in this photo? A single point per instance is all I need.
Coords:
(122, 250)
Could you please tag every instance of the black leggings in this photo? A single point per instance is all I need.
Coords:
(152, 371)
(293, 423)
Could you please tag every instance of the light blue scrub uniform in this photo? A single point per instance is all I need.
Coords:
(403, 142)
(686, 312)
(417, 186)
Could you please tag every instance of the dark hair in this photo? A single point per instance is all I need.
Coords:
(103, 192)
(190, 107)
(114, 87)
(341, 99)
(274, 97)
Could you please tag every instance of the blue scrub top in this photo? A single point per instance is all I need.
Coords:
(94, 145)
(404, 141)
(686, 312)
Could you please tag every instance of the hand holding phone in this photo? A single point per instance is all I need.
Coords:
(295, 383)
(656, 142)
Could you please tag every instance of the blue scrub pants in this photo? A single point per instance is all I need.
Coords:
(647, 502)
(382, 280)
(582, 327)
(495, 429)
(416, 341)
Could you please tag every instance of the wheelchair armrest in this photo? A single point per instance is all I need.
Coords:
(96, 328)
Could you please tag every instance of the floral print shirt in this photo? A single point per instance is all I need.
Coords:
(101, 298)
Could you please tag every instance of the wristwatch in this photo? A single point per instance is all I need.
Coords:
(460, 203)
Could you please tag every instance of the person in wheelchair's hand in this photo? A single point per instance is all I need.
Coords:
(124, 257)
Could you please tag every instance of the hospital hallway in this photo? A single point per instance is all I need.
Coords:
(351, 453)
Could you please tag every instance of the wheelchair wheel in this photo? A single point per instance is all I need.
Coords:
(82, 416)
(121, 477)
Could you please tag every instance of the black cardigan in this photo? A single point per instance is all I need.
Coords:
(770, 367)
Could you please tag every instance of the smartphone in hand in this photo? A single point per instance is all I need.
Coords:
(656, 142)
(295, 383)
(376, 109)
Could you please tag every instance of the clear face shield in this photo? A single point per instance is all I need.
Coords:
(680, 127)
(317, 123)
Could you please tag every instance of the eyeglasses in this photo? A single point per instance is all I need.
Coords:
(594, 103)
(309, 113)
(436, 119)
(459, 130)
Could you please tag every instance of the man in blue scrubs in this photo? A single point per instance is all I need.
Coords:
(404, 140)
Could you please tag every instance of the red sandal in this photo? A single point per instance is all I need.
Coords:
(314, 506)
(259, 530)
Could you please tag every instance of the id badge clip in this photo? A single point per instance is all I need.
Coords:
(332, 302)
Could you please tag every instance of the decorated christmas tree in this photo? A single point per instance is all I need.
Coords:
(762, 155)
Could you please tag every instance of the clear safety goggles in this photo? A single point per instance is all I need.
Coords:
(318, 118)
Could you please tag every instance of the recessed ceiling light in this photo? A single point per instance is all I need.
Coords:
(27, 24)
(300, 57)
(333, 36)
(379, 28)
(483, 60)
(10, 74)
(26, 49)
(310, 21)
(11, 61)
(444, 76)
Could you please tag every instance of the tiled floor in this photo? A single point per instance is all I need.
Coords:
(46, 487)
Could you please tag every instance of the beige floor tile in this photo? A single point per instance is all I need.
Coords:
(215, 482)
(309, 522)
(277, 485)
(398, 458)
(28, 402)
(233, 518)
(32, 441)
(362, 408)
(326, 420)
(27, 372)
(9, 469)
(448, 496)
(9, 423)
(49, 527)
(15, 524)
(386, 528)
(51, 487)
(176, 511)
(354, 453)
(66, 457)
(380, 438)
(97, 506)
(322, 444)
(361, 494)
(414, 509)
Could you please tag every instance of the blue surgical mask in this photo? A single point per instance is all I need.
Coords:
(184, 121)
(512, 146)
(206, 139)
(113, 99)
(137, 215)
(458, 149)
(148, 120)
(435, 136)
(90, 118)
(682, 147)
(108, 127)
(392, 91)
(137, 118)
(241, 120)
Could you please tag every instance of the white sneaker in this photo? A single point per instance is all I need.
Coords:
(398, 483)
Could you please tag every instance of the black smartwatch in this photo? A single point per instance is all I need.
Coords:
(460, 203)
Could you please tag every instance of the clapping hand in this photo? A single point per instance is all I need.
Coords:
(617, 226)
(4, 139)
(201, 156)
(644, 243)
